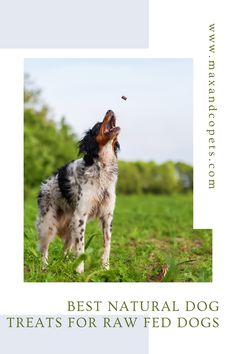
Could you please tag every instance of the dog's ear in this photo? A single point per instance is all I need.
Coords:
(89, 147)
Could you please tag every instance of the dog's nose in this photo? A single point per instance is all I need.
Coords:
(110, 111)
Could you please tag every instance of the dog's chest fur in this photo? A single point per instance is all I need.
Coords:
(97, 189)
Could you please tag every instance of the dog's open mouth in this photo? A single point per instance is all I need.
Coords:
(110, 124)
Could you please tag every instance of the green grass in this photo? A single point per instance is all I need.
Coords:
(148, 232)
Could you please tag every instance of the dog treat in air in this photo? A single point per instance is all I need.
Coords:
(124, 98)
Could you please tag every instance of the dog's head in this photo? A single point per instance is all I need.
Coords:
(96, 138)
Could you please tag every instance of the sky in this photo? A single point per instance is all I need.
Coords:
(156, 120)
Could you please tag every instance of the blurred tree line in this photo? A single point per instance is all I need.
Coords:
(48, 145)
(150, 177)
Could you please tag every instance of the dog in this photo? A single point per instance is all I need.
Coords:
(81, 190)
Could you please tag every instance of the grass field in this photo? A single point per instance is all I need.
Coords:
(150, 234)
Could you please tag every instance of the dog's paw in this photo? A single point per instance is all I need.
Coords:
(44, 264)
(67, 254)
(80, 268)
(105, 265)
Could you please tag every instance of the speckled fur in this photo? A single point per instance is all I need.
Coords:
(76, 193)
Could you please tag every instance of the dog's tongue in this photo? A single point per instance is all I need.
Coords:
(108, 127)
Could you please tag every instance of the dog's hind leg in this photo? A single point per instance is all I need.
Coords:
(68, 243)
(47, 230)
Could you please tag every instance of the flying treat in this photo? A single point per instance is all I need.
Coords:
(124, 98)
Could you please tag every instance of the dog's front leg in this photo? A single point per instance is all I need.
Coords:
(106, 222)
(78, 225)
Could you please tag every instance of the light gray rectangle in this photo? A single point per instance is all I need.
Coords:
(72, 340)
(74, 24)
